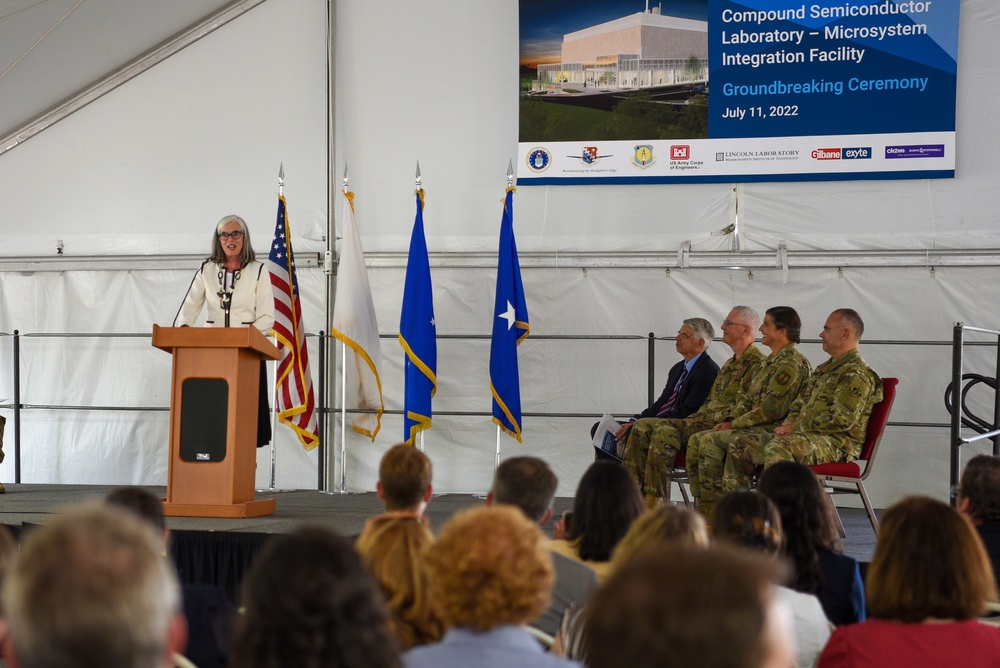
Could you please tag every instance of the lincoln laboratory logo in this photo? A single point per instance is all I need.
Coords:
(589, 155)
(539, 159)
(643, 157)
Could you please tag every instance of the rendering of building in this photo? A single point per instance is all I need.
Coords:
(640, 50)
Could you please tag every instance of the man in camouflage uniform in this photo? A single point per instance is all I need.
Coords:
(827, 421)
(762, 406)
(653, 443)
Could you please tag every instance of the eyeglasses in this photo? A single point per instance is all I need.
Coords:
(730, 323)
(236, 236)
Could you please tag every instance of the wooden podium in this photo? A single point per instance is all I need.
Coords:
(213, 420)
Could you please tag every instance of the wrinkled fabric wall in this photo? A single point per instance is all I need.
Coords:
(149, 168)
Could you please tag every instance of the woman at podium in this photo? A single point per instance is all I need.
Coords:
(237, 289)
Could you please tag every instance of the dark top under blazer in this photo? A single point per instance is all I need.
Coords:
(693, 392)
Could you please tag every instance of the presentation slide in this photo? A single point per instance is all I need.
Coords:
(723, 91)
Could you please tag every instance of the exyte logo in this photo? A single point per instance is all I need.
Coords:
(680, 152)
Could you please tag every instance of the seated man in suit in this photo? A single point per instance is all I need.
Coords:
(828, 419)
(654, 442)
(688, 382)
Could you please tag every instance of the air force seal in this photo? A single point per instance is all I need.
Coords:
(539, 159)
(643, 157)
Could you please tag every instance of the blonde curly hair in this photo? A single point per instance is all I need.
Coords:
(490, 566)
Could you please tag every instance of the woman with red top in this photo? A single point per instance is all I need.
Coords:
(929, 580)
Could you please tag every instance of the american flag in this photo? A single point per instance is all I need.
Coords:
(296, 400)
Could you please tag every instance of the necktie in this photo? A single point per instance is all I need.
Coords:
(665, 408)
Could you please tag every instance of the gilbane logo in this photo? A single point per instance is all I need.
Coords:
(826, 154)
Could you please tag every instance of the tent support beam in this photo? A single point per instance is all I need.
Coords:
(782, 258)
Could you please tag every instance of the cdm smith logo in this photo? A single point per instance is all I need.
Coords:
(854, 153)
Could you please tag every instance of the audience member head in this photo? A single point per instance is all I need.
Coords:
(90, 588)
(674, 607)
(8, 550)
(807, 518)
(143, 503)
(525, 482)
(979, 490)
(309, 602)
(784, 319)
(404, 479)
(842, 332)
(739, 329)
(929, 563)
(664, 525)
(392, 549)
(694, 337)
(490, 566)
(607, 501)
(748, 519)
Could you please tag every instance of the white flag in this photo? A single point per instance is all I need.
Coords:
(354, 323)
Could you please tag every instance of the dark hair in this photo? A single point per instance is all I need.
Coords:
(806, 517)
(981, 486)
(786, 318)
(525, 482)
(310, 602)
(140, 501)
(673, 607)
(749, 519)
(929, 562)
(8, 550)
(405, 474)
(607, 502)
(853, 320)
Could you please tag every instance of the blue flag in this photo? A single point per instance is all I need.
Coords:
(417, 333)
(510, 326)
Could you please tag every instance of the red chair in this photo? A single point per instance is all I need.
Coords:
(851, 473)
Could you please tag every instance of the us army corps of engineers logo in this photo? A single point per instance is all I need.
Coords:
(643, 157)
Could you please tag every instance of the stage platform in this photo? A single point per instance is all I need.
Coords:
(217, 551)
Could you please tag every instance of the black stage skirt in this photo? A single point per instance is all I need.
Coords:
(263, 409)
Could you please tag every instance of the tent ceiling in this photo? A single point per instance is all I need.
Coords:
(51, 49)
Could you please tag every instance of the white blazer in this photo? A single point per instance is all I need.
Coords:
(252, 302)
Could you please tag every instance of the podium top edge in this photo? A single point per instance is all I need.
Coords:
(171, 338)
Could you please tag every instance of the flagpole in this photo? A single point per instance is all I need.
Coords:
(274, 411)
(510, 183)
(343, 420)
(343, 396)
(420, 436)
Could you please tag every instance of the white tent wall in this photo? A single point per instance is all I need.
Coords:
(148, 168)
